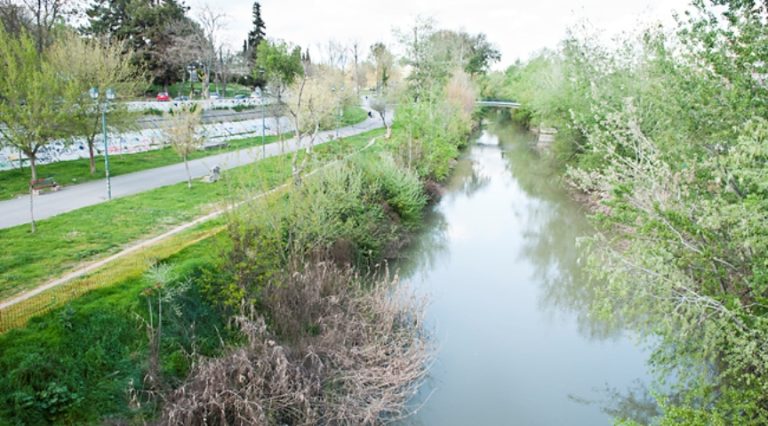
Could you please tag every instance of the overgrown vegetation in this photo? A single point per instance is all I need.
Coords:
(338, 350)
(288, 257)
(667, 134)
(288, 317)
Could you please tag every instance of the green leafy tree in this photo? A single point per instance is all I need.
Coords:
(425, 73)
(435, 55)
(482, 54)
(36, 104)
(383, 60)
(148, 27)
(279, 64)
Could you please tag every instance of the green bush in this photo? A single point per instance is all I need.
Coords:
(428, 137)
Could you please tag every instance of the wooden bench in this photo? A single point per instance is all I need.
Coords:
(41, 184)
(215, 145)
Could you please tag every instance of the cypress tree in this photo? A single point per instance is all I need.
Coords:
(256, 35)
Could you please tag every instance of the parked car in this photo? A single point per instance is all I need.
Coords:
(241, 96)
(215, 96)
(163, 97)
(182, 98)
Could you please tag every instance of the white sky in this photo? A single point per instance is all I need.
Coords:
(518, 28)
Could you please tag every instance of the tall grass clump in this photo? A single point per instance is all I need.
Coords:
(355, 213)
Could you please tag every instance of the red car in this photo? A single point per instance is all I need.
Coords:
(163, 97)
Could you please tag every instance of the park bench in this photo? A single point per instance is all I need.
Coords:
(42, 184)
(215, 145)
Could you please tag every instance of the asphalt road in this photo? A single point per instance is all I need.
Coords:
(16, 212)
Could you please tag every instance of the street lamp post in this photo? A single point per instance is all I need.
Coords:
(110, 95)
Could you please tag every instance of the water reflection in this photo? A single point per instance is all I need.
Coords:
(430, 245)
(508, 302)
(428, 248)
(554, 225)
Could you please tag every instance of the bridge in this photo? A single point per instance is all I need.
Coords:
(498, 104)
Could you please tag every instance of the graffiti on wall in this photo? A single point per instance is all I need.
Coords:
(140, 141)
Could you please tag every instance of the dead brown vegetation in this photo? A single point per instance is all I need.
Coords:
(324, 351)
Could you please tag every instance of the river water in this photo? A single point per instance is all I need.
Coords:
(500, 265)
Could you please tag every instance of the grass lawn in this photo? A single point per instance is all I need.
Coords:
(66, 240)
(14, 182)
(352, 115)
(82, 358)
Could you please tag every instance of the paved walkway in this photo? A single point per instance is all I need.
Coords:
(16, 212)
(88, 268)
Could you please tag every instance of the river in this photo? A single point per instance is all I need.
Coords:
(499, 262)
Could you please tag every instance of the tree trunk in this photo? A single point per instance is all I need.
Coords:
(295, 171)
(33, 168)
(279, 133)
(91, 139)
(357, 75)
(92, 162)
(207, 84)
(189, 175)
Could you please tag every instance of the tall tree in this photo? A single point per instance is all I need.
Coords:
(211, 22)
(45, 15)
(36, 105)
(383, 60)
(356, 58)
(149, 26)
(426, 73)
(257, 33)
(482, 54)
(279, 64)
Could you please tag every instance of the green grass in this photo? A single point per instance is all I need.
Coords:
(69, 239)
(353, 114)
(14, 182)
(76, 364)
